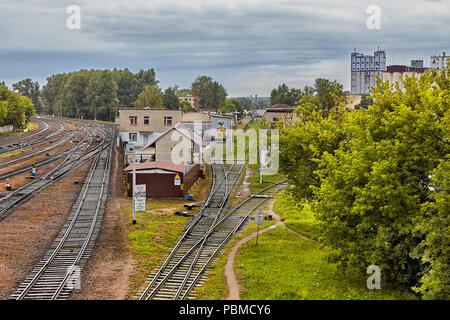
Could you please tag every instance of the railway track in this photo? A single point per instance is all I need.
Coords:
(56, 274)
(70, 161)
(184, 268)
(15, 139)
(39, 138)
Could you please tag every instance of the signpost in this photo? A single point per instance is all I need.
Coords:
(259, 221)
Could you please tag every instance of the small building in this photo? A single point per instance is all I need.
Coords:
(279, 113)
(160, 178)
(222, 121)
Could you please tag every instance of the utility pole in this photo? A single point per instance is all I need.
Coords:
(134, 184)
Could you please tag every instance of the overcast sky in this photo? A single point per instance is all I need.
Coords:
(250, 46)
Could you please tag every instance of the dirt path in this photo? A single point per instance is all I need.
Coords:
(233, 284)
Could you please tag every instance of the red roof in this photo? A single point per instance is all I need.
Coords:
(165, 165)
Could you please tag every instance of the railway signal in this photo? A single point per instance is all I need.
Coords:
(8, 185)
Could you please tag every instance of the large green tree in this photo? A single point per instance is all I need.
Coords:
(101, 95)
(151, 97)
(29, 89)
(170, 99)
(15, 109)
(211, 94)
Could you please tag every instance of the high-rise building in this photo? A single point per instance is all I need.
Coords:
(365, 70)
(439, 62)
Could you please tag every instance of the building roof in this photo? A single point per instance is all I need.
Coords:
(221, 116)
(183, 130)
(164, 165)
(281, 105)
(195, 117)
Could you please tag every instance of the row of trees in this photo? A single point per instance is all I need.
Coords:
(15, 109)
(94, 94)
(323, 94)
(378, 180)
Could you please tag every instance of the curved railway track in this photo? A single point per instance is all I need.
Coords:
(39, 138)
(71, 160)
(184, 268)
(53, 278)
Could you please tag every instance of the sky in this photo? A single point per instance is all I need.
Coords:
(250, 46)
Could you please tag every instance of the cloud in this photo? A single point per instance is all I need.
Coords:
(250, 46)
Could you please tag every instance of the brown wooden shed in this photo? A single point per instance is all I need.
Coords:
(159, 178)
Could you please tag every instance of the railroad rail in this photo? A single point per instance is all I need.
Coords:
(41, 138)
(72, 160)
(184, 268)
(56, 275)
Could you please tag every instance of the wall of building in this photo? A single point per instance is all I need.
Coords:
(156, 119)
(165, 145)
(397, 77)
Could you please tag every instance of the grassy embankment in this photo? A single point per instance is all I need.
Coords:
(286, 266)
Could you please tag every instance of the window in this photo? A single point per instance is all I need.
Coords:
(275, 119)
(167, 121)
(133, 120)
(146, 120)
(133, 136)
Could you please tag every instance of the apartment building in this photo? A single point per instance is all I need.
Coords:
(439, 62)
(138, 127)
(365, 69)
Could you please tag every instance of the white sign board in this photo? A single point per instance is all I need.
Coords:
(140, 195)
(259, 219)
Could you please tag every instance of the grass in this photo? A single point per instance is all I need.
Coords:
(30, 126)
(297, 217)
(215, 287)
(286, 267)
(155, 233)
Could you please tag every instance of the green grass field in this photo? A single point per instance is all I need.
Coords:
(155, 233)
(284, 266)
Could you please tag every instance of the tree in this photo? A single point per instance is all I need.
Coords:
(378, 180)
(128, 86)
(29, 89)
(101, 94)
(170, 99)
(151, 97)
(186, 106)
(74, 93)
(366, 101)
(284, 95)
(211, 94)
(15, 109)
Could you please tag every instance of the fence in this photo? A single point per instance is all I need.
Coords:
(6, 129)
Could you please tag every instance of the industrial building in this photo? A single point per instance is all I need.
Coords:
(365, 69)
